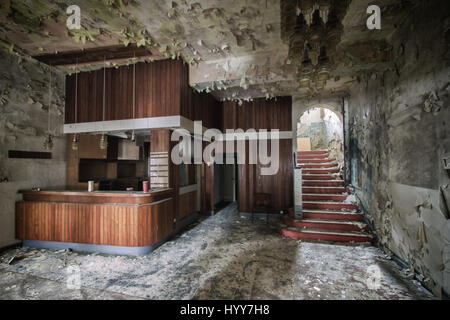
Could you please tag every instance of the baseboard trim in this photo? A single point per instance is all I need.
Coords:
(10, 246)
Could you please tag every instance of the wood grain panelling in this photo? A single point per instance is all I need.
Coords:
(159, 140)
(97, 197)
(207, 188)
(263, 114)
(157, 222)
(279, 186)
(88, 148)
(201, 107)
(258, 114)
(130, 226)
(158, 92)
(162, 89)
(188, 205)
(174, 183)
(207, 109)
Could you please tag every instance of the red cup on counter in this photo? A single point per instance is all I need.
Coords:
(145, 186)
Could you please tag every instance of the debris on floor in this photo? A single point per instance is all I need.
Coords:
(217, 259)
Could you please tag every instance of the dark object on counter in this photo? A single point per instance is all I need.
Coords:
(105, 185)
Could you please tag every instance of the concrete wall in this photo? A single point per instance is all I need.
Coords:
(332, 105)
(399, 132)
(23, 126)
(322, 126)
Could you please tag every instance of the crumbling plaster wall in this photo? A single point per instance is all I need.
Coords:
(24, 104)
(322, 126)
(334, 104)
(399, 133)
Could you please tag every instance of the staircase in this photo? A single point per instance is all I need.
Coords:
(326, 215)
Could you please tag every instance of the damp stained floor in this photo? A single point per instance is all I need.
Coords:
(221, 257)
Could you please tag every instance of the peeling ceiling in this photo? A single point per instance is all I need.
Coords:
(234, 47)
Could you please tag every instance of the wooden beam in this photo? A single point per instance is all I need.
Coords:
(93, 55)
(16, 154)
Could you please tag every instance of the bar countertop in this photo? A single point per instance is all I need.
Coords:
(97, 197)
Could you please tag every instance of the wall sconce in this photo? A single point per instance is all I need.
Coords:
(75, 142)
(103, 142)
(48, 142)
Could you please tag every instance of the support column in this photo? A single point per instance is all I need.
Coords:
(298, 202)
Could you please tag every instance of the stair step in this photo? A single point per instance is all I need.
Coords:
(312, 161)
(323, 183)
(323, 190)
(325, 235)
(324, 197)
(320, 170)
(337, 225)
(318, 165)
(313, 152)
(329, 205)
(318, 177)
(312, 156)
(328, 215)
(331, 215)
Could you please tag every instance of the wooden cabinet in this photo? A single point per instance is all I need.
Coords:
(128, 150)
(113, 219)
(89, 148)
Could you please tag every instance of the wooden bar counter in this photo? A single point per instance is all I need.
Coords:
(102, 221)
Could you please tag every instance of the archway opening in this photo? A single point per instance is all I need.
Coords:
(321, 129)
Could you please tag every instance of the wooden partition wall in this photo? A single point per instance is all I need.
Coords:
(184, 205)
(263, 114)
(199, 106)
(94, 224)
(162, 89)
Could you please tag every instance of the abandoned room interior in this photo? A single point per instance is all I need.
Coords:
(225, 149)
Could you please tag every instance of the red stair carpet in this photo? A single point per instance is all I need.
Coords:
(326, 216)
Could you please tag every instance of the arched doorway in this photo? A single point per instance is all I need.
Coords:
(320, 128)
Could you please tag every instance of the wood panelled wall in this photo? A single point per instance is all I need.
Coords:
(278, 186)
(199, 106)
(157, 92)
(101, 224)
(162, 89)
(188, 205)
(258, 114)
(263, 114)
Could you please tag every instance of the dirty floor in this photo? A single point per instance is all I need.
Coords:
(222, 257)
